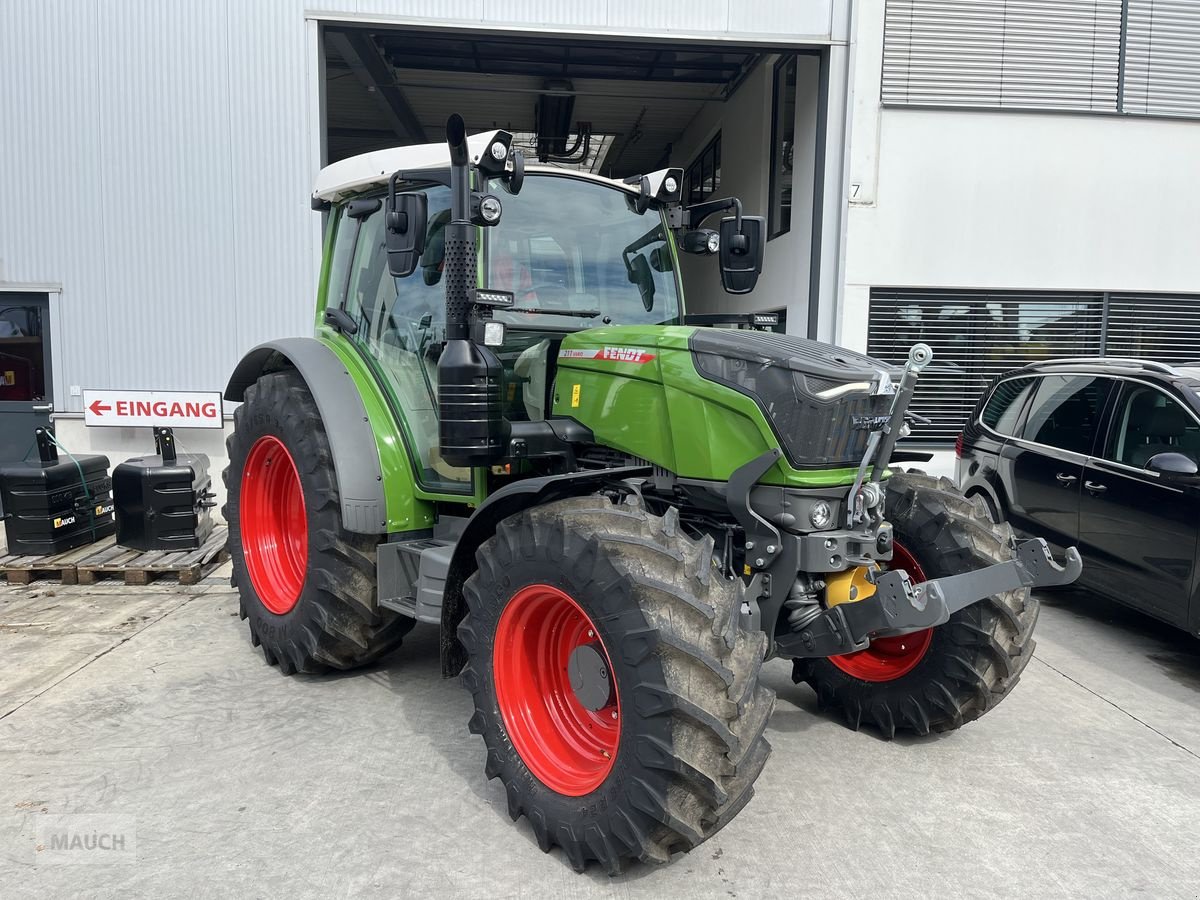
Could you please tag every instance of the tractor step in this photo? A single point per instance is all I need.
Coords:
(412, 577)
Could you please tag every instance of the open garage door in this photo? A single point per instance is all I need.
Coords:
(739, 119)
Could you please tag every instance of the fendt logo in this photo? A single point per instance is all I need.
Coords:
(627, 354)
(610, 354)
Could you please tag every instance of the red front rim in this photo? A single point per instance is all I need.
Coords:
(274, 525)
(570, 748)
(892, 657)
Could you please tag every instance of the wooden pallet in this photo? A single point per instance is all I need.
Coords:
(26, 569)
(138, 567)
(104, 559)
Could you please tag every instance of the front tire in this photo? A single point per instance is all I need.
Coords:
(940, 679)
(307, 585)
(667, 750)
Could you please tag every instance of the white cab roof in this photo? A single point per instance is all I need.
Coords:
(357, 173)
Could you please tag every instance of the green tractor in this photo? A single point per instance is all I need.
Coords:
(507, 427)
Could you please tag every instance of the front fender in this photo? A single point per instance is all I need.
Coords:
(508, 501)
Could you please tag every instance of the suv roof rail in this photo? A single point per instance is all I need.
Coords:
(1123, 362)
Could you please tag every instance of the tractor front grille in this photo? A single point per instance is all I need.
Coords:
(814, 433)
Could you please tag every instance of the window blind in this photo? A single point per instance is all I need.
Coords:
(975, 336)
(1023, 54)
(1162, 58)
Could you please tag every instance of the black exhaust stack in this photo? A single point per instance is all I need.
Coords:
(473, 431)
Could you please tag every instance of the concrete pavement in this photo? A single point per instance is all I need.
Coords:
(149, 704)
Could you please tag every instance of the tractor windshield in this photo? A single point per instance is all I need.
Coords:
(577, 255)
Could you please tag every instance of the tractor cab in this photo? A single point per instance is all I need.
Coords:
(557, 252)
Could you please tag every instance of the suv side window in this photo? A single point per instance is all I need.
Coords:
(1066, 410)
(1149, 422)
(401, 327)
(1002, 412)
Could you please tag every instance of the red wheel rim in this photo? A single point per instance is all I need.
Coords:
(570, 748)
(890, 658)
(274, 525)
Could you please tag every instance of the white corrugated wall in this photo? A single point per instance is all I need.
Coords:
(156, 160)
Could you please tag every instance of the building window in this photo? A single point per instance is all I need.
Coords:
(783, 128)
(1131, 56)
(703, 176)
(977, 335)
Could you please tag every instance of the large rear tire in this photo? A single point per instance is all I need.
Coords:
(941, 679)
(307, 585)
(669, 750)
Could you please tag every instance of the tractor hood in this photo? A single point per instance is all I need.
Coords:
(702, 401)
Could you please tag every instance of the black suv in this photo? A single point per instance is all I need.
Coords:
(1102, 454)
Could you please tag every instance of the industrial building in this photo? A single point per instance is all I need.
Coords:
(1002, 180)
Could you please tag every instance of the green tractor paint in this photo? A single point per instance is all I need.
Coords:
(507, 426)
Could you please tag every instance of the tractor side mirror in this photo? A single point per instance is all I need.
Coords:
(404, 229)
(1173, 466)
(640, 274)
(741, 253)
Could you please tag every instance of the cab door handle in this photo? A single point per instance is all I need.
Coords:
(1095, 488)
(1066, 479)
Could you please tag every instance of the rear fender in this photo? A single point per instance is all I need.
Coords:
(374, 477)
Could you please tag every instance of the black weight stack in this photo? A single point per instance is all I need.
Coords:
(163, 501)
(52, 505)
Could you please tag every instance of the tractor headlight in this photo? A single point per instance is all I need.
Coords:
(499, 151)
(714, 242)
(490, 208)
(671, 185)
(821, 516)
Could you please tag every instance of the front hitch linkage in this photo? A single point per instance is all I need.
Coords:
(898, 606)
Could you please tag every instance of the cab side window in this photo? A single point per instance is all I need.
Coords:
(1149, 422)
(345, 231)
(1065, 411)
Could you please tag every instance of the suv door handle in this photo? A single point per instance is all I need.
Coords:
(1066, 479)
(1095, 488)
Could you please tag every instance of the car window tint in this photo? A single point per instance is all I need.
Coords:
(1065, 410)
(1147, 423)
(1003, 408)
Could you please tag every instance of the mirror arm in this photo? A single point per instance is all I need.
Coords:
(701, 211)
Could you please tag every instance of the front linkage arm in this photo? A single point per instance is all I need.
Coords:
(898, 606)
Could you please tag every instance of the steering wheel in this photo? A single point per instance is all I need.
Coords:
(550, 295)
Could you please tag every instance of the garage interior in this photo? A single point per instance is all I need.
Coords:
(610, 109)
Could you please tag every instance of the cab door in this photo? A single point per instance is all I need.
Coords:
(1137, 533)
(1045, 463)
